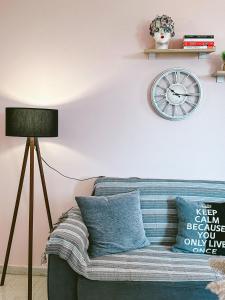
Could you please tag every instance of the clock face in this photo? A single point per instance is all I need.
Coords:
(176, 93)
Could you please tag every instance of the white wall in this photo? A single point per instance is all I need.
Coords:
(85, 58)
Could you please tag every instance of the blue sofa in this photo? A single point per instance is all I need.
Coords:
(151, 273)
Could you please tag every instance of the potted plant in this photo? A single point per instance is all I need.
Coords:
(223, 58)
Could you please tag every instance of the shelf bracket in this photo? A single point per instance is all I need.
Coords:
(203, 55)
(220, 79)
(151, 56)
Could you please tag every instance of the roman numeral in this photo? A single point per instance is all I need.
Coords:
(176, 77)
(190, 103)
(185, 78)
(163, 89)
(183, 110)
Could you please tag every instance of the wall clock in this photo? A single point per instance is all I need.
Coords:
(176, 93)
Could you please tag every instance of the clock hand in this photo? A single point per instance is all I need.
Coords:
(172, 90)
(176, 94)
(190, 94)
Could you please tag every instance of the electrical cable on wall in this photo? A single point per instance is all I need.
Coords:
(68, 177)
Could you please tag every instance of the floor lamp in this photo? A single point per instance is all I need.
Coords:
(31, 123)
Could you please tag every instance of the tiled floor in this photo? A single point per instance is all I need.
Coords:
(15, 288)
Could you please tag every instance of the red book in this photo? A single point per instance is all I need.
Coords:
(209, 44)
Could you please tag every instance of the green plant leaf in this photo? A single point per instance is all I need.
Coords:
(223, 55)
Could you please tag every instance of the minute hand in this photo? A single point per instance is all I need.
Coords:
(190, 94)
(178, 94)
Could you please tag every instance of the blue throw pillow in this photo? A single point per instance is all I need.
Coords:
(201, 227)
(114, 223)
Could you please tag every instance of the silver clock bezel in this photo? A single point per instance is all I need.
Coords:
(153, 93)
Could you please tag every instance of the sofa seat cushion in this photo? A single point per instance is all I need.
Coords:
(152, 263)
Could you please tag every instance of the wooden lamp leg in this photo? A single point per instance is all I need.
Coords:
(31, 209)
(43, 184)
(15, 212)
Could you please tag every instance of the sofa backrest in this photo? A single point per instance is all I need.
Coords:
(158, 200)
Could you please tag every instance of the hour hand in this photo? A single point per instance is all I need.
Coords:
(176, 94)
(171, 90)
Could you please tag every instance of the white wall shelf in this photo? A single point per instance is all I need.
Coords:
(220, 76)
(202, 53)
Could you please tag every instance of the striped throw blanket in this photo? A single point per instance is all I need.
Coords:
(157, 262)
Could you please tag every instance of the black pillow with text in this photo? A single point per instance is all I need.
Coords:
(201, 227)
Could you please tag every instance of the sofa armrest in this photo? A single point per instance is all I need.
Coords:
(62, 280)
(69, 240)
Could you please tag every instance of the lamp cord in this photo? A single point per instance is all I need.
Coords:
(68, 177)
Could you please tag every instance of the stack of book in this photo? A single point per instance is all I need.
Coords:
(198, 41)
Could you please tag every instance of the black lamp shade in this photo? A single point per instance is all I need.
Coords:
(31, 122)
